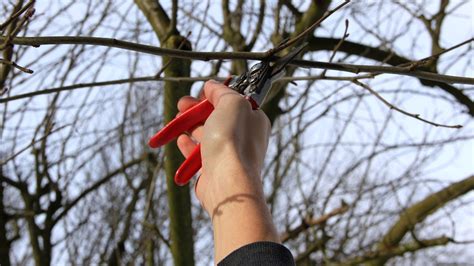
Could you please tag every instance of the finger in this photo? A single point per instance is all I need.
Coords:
(214, 91)
(186, 102)
(201, 95)
(185, 144)
(196, 133)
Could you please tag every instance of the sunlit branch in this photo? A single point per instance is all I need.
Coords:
(307, 31)
(16, 15)
(104, 84)
(15, 65)
(391, 106)
(206, 56)
(310, 222)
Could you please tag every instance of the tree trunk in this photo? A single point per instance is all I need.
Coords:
(178, 197)
(4, 243)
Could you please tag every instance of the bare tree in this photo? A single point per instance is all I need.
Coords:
(367, 162)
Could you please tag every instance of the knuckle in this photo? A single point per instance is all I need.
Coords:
(218, 140)
(234, 100)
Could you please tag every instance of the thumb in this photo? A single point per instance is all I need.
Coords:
(214, 91)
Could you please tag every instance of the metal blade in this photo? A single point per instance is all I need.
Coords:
(279, 65)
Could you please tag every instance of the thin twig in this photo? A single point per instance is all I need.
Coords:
(16, 15)
(28, 14)
(338, 45)
(15, 65)
(384, 70)
(391, 106)
(463, 242)
(103, 84)
(33, 142)
(4, 90)
(158, 232)
(411, 66)
(303, 34)
(166, 65)
(309, 222)
(423, 61)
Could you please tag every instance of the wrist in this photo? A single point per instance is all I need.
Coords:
(231, 182)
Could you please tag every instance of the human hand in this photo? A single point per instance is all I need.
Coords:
(233, 145)
(233, 141)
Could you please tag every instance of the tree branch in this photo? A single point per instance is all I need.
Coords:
(388, 57)
(70, 204)
(103, 84)
(371, 257)
(307, 30)
(156, 15)
(309, 222)
(206, 56)
(15, 65)
(393, 107)
(419, 211)
(16, 15)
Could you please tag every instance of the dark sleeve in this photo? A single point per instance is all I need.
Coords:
(259, 253)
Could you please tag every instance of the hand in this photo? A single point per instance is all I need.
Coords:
(233, 145)
(233, 141)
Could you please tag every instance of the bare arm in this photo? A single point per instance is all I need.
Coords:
(234, 141)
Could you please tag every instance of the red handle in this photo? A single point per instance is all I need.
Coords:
(189, 119)
(189, 168)
(186, 121)
(193, 163)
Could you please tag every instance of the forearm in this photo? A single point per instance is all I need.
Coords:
(242, 217)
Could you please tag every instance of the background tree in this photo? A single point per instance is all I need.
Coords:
(367, 162)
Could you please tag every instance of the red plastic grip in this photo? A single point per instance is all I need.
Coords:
(189, 168)
(186, 121)
(189, 119)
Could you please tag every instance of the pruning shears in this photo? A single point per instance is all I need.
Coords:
(254, 85)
